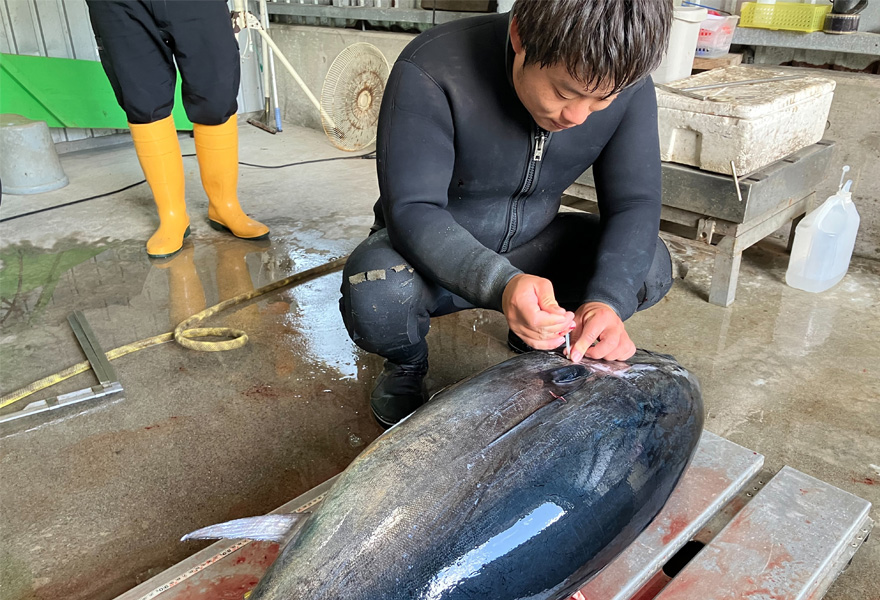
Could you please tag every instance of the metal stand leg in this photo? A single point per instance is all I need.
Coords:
(726, 274)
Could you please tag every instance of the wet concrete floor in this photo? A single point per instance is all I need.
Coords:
(93, 503)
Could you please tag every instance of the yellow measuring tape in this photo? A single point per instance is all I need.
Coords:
(183, 334)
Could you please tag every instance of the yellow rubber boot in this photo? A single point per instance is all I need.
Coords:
(159, 154)
(217, 151)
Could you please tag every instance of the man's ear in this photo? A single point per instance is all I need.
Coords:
(515, 40)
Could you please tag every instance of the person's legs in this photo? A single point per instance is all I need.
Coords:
(206, 52)
(565, 253)
(387, 308)
(136, 57)
(207, 55)
(659, 279)
(138, 62)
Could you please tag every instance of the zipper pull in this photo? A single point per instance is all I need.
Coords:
(539, 147)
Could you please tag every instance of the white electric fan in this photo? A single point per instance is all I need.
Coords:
(352, 94)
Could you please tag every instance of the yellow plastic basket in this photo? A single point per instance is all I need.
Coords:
(788, 16)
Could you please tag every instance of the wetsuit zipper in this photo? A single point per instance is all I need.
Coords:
(539, 139)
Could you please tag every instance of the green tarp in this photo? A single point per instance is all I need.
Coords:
(65, 93)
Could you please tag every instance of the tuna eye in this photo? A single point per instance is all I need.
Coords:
(568, 374)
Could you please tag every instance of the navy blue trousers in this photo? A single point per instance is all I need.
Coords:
(140, 41)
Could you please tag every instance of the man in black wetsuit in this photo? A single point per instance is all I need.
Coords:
(484, 123)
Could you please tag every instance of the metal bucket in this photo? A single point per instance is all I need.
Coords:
(28, 161)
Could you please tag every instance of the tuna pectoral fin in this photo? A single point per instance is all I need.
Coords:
(267, 528)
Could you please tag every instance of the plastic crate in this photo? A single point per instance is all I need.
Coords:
(716, 34)
(787, 16)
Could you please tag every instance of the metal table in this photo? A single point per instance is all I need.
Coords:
(708, 204)
(816, 524)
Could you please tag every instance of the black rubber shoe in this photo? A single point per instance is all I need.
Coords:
(399, 391)
(516, 343)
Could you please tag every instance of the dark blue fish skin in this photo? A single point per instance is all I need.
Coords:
(521, 482)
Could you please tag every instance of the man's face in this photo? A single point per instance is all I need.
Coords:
(554, 98)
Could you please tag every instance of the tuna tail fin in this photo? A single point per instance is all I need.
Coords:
(267, 528)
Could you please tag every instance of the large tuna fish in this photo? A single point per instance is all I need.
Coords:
(522, 481)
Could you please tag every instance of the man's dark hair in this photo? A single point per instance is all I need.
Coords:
(602, 43)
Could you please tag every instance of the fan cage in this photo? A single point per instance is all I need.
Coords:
(352, 95)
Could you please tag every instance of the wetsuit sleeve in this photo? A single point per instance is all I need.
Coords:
(415, 159)
(627, 176)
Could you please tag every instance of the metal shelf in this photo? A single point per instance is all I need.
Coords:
(855, 43)
(416, 16)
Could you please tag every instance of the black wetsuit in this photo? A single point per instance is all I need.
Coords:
(140, 41)
(470, 191)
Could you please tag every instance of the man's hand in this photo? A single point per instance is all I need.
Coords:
(595, 321)
(533, 314)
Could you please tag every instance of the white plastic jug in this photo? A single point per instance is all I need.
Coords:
(823, 243)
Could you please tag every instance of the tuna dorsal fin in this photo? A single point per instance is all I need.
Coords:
(268, 528)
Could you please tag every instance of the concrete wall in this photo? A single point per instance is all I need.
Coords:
(311, 51)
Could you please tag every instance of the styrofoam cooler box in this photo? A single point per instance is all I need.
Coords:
(750, 125)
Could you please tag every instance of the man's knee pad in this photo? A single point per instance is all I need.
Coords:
(382, 307)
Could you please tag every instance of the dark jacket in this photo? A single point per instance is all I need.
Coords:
(462, 178)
